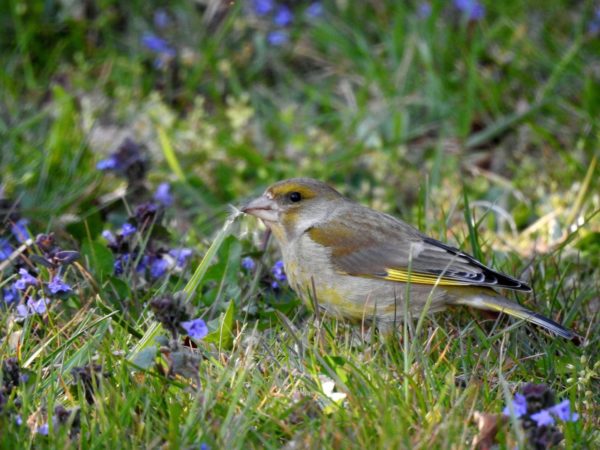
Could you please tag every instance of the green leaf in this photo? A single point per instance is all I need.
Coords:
(99, 257)
(144, 359)
(223, 336)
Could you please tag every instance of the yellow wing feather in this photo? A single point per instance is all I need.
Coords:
(405, 276)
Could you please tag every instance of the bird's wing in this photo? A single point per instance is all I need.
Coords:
(370, 244)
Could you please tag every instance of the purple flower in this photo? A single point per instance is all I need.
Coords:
(262, 7)
(278, 37)
(472, 9)
(109, 236)
(275, 285)
(22, 311)
(314, 10)
(120, 263)
(424, 10)
(32, 307)
(18, 420)
(25, 280)
(58, 286)
(142, 264)
(107, 164)
(161, 18)
(37, 306)
(248, 263)
(163, 194)
(43, 429)
(10, 294)
(562, 410)
(158, 267)
(127, 229)
(157, 45)
(283, 17)
(204, 446)
(181, 255)
(543, 418)
(5, 249)
(196, 329)
(19, 230)
(594, 25)
(278, 271)
(519, 405)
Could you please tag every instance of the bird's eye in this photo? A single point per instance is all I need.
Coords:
(295, 197)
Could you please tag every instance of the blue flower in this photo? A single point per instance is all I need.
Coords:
(181, 255)
(594, 24)
(18, 420)
(562, 410)
(37, 306)
(278, 271)
(543, 418)
(472, 9)
(158, 267)
(109, 236)
(275, 285)
(43, 429)
(157, 45)
(163, 194)
(107, 164)
(262, 7)
(424, 10)
(25, 280)
(58, 286)
(161, 18)
(248, 263)
(278, 38)
(283, 17)
(10, 294)
(519, 406)
(196, 329)
(120, 263)
(19, 230)
(128, 229)
(314, 10)
(5, 249)
(204, 446)
(32, 307)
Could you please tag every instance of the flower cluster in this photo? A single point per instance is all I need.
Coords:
(138, 246)
(156, 43)
(275, 278)
(31, 295)
(61, 417)
(173, 312)
(535, 407)
(278, 272)
(280, 17)
(10, 378)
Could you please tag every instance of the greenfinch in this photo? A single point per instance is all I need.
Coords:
(357, 263)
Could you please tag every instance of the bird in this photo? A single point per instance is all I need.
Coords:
(356, 263)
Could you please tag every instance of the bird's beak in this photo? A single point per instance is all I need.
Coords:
(264, 208)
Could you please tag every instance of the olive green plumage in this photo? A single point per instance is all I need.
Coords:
(362, 264)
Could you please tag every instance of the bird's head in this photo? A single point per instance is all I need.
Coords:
(290, 207)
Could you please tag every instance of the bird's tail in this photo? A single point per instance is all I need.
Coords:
(490, 300)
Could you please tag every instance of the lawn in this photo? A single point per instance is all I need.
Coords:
(139, 309)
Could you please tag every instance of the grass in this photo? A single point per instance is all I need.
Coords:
(483, 134)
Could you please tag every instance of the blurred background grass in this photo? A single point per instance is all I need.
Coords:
(409, 107)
